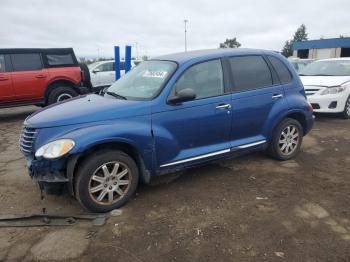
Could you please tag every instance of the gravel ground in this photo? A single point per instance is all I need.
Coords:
(250, 208)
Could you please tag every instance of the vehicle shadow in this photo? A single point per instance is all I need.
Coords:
(324, 117)
(16, 113)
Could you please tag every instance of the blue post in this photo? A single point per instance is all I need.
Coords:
(127, 58)
(117, 62)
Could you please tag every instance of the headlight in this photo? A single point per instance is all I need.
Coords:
(55, 149)
(333, 90)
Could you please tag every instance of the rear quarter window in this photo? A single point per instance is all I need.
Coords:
(26, 62)
(2, 64)
(59, 59)
(281, 70)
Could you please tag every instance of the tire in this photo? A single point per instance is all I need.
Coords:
(60, 93)
(288, 149)
(346, 112)
(92, 188)
(87, 82)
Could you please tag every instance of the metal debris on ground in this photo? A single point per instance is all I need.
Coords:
(36, 220)
(116, 212)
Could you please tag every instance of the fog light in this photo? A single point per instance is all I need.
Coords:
(333, 105)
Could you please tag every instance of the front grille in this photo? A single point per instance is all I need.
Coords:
(26, 141)
(310, 92)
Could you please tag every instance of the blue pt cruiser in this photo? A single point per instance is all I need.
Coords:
(169, 113)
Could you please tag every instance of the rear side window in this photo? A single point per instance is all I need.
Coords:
(206, 79)
(26, 62)
(281, 70)
(2, 64)
(250, 72)
(61, 59)
(106, 67)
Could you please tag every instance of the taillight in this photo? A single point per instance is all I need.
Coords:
(309, 107)
(82, 75)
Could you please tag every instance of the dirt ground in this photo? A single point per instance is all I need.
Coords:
(246, 209)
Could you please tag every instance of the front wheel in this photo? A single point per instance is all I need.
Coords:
(106, 180)
(346, 112)
(286, 140)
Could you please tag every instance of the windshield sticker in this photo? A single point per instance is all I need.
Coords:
(156, 74)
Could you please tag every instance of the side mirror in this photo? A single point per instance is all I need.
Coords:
(96, 70)
(183, 95)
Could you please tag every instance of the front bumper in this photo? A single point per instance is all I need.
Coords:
(334, 103)
(50, 171)
(53, 171)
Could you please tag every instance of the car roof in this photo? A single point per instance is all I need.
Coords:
(36, 50)
(184, 57)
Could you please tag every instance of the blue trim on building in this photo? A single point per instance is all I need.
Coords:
(322, 43)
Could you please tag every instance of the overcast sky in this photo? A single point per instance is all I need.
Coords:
(94, 27)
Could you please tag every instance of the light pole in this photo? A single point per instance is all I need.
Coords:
(185, 21)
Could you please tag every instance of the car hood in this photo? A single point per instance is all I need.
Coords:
(324, 80)
(84, 109)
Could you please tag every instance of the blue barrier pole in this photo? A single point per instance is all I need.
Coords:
(127, 58)
(117, 62)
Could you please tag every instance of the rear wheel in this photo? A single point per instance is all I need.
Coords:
(286, 140)
(61, 93)
(106, 180)
(346, 112)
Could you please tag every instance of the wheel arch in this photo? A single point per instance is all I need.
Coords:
(300, 117)
(51, 86)
(128, 148)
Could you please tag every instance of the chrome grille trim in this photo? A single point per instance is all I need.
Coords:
(27, 139)
(311, 90)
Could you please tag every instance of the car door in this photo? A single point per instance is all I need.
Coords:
(256, 95)
(29, 77)
(196, 130)
(7, 93)
(107, 74)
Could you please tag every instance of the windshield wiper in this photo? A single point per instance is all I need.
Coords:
(116, 95)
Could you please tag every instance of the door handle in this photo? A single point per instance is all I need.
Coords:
(3, 78)
(277, 96)
(223, 106)
(40, 76)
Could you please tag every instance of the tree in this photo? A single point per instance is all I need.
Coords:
(287, 50)
(299, 35)
(230, 43)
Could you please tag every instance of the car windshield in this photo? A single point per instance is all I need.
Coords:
(144, 82)
(327, 68)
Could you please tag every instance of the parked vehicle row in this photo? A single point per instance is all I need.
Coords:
(39, 76)
(165, 115)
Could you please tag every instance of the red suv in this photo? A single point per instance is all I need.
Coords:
(39, 76)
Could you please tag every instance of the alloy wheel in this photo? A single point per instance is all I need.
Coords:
(109, 183)
(63, 96)
(289, 139)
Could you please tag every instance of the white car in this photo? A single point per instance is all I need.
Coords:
(327, 85)
(102, 73)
